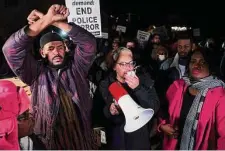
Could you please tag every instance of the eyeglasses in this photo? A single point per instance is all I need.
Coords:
(127, 64)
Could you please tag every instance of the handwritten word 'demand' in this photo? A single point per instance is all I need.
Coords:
(82, 2)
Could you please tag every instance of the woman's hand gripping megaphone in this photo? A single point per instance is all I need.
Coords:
(114, 109)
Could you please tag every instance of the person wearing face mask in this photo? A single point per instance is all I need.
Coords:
(141, 88)
(163, 64)
(196, 117)
(162, 57)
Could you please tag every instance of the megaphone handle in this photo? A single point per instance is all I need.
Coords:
(117, 105)
(115, 102)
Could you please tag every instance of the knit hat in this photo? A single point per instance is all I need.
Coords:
(49, 37)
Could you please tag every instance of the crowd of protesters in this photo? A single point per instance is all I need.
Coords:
(180, 79)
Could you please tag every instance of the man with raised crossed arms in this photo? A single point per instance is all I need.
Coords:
(60, 91)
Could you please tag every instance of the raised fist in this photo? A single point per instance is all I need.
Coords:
(57, 13)
(34, 16)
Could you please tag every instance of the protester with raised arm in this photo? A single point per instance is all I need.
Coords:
(60, 90)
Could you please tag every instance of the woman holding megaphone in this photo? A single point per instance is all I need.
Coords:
(138, 95)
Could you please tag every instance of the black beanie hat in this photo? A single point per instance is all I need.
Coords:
(49, 37)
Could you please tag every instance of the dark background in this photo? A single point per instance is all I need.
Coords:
(208, 16)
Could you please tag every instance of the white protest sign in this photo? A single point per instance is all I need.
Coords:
(86, 13)
(121, 28)
(196, 32)
(142, 37)
(105, 35)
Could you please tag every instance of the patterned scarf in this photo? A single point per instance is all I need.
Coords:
(191, 123)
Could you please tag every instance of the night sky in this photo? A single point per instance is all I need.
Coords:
(209, 16)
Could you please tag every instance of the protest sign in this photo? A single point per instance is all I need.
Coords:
(121, 28)
(105, 35)
(86, 13)
(142, 37)
(196, 32)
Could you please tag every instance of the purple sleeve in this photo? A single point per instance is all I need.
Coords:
(17, 51)
(85, 48)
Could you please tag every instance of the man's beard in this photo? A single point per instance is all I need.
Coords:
(183, 60)
(61, 65)
(183, 55)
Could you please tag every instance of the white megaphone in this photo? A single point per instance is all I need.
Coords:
(136, 116)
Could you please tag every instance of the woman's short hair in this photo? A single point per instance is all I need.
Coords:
(116, 53)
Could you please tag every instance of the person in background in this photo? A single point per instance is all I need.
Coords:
(141, 88)
(178, 65)
(147, 55)
(163, 64)
(155, 38)
(162, 55)
(130, 44)
(61, 101)
(153, 42)
(115, 43)
(213, 49)
(196, 104)
(133, 46)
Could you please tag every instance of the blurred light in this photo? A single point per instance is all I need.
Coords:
(111, 16)
(223, 45)
(179, 28)
(63, 33)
